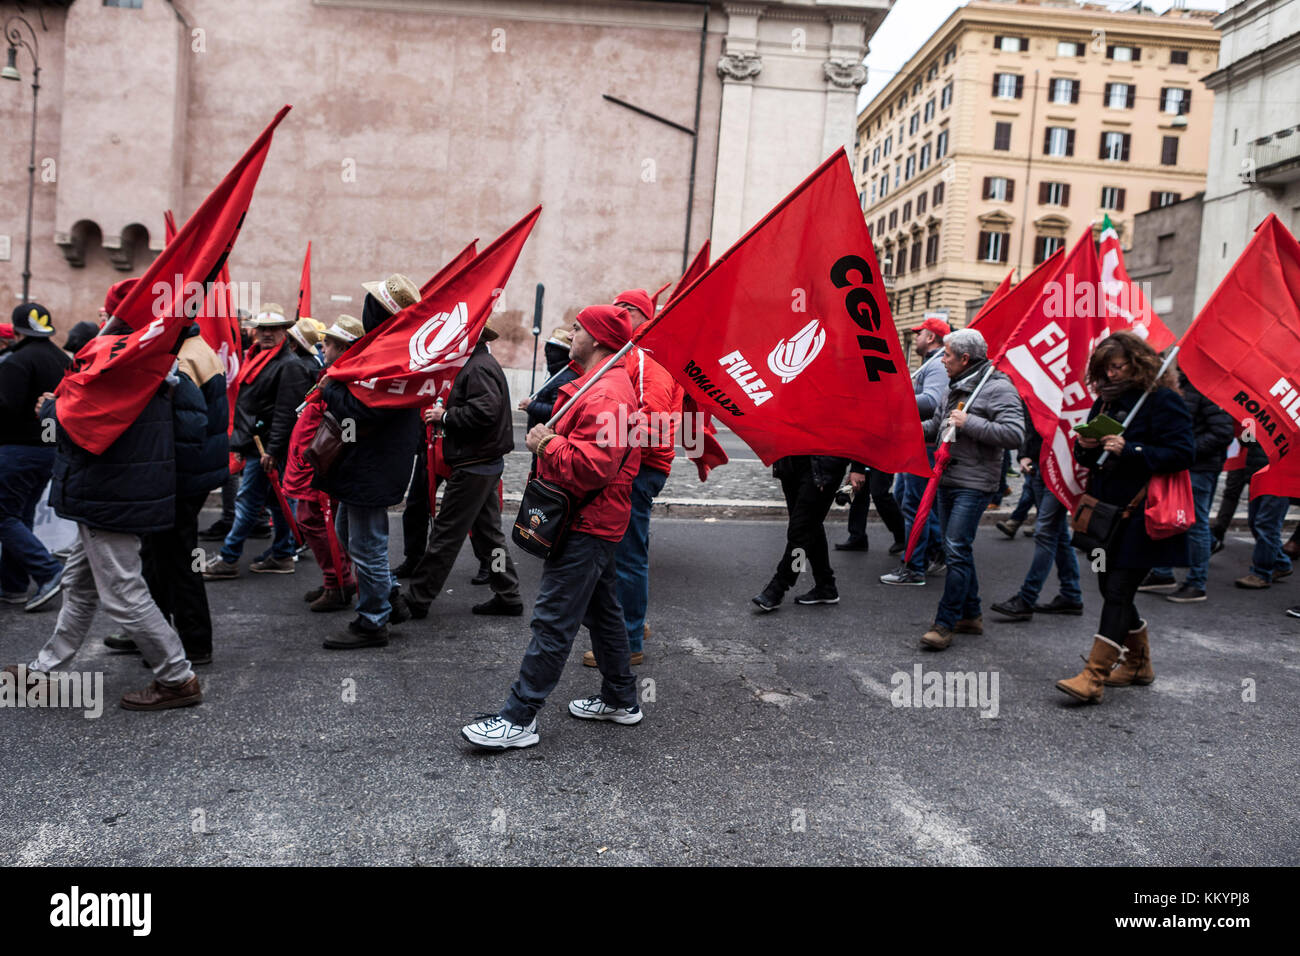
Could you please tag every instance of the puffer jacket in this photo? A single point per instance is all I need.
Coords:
(995, 423)
(202, 465)
(1212, 426)
(578, 461)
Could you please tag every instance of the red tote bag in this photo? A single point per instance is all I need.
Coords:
(1170, 509)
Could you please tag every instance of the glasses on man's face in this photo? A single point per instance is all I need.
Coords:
(1114, 368)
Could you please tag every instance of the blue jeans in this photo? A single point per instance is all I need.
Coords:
(960, 511)
(255, 495)
(363, 533)
(1051, 546)
(913, 489)
(632, 559)
(24, 472)
(578, 587)
(1267, 512)
(1030, 493)
(1198, 535)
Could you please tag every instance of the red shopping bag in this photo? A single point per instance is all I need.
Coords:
(1170, 508)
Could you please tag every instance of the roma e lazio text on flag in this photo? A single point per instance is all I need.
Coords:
(411, 359)
(115, 375)
(787, 337)
(1243, 352)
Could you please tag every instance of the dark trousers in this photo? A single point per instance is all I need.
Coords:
(415, 516)
(580, 587)
(1233, 486)
(175, 584)
(1030, 491)
(1119, 614)
(877, 490)
(24, 472)
(805, 534)
(469, 503)
(229, 490)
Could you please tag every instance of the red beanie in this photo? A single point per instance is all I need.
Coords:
(607, 324)
(116, 293)
(6, 331)
(639, 298)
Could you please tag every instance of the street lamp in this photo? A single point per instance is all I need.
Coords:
(10, 72)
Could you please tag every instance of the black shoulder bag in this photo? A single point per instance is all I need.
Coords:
(545, 512)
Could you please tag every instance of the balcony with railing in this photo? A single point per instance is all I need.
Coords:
(1273, 160)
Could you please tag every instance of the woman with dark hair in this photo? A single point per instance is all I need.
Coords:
(1158, 440)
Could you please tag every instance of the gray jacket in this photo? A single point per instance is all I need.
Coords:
(996, 422)
(930, 382)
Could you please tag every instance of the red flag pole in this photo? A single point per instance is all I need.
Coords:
(273, 476)
(1169, 360)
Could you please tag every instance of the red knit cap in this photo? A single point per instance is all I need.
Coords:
(607, 324)
(116, 293)
(639, 298)
(6, 331)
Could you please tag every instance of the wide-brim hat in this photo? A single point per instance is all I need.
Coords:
(488, 334)
(32, 318)
(394, 293)
(272, 317)
(346, 329)
(562, 337)
(307, 332)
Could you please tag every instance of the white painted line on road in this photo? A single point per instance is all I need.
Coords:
(931, 830)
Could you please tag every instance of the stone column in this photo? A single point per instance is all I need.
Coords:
(845, 74)
(739, 65)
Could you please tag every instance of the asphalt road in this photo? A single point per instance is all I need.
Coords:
(768, 739)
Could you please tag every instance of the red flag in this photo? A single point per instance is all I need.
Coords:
(412, 358)
(114, 376)
(941, 456)
(169, 227)
(1236, 459)
(218, 322)
(997, 296)
(699, 265)
(1243, 352)
(1125, 307)
(450, 269)
(1047, 359)
(304, 286)
(788, 337)
(711, 454)
(998, 321)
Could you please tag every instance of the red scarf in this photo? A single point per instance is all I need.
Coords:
(254, 362)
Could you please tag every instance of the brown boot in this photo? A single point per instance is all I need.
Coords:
(969, 625)
(1135, 668)
(331, 599)
(1088, 684)
(161, 697)
(636, 659)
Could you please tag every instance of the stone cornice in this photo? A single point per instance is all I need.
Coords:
(1252, 64)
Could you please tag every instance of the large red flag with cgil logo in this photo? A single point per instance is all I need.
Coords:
(1125, 306)
(1243, 352)
(1047, 359)
(787, 337)
(412, 358)
(114, 376)
(219, 321)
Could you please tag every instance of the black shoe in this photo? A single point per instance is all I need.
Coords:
(1009, 527)
(1060, 605)
(498, 606)
(1186, 594)
(260, 531)
(121, 643)
(400, 610)
(853, 544)
(216, 531)
(314, 595)
(819, 595)
(199, 658)
(1158, 582)
(1016, 608)
(770, 598)
(360, 633)
(936, 567)
(484, 576)
(898, 547)
(404, 569)
(416, 611)
(1216, 545)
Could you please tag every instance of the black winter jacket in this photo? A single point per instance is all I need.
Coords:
(31, 368)
(374, 470)
(477, 427)
(1212, 426)
(204, 464)
(1159, 440)
(825, 471)
(131, 487)
(268, 407)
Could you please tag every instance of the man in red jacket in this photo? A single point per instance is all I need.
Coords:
(658, 398)
(593, 456)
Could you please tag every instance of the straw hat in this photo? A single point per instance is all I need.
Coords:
(346, 330)
(307, 332)
(488, 334)
(561, 336)
(271, 317)
(395, 293)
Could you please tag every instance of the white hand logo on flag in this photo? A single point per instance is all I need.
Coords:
(792, 356)
(445, 328)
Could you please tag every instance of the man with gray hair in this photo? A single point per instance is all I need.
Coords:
(979, 431)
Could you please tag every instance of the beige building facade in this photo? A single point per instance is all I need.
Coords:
(417, 126)
(1016, 126)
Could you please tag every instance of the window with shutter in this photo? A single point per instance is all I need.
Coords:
(1074, 91)
(1069, 142)
(921, 200)
(1119, 202)
(1020, 87)
(1126, 142)
(1040, 244)
(916, 256)
(1010, 189)
(902, 258)
(1065, 194)
(1042, 194)
(1178, 57)
(1130, 96)
(907, 210)
(937, 198)
(983, 252)
(988, 187)
(1002, 136)
(1169, 151)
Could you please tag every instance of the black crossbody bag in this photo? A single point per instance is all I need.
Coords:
(546, 511)
(1096, 523)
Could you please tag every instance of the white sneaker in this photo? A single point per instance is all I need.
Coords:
(497, 733)
(593, 708)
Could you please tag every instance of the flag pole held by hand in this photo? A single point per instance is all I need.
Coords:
(572, 403)
(1169, 360)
